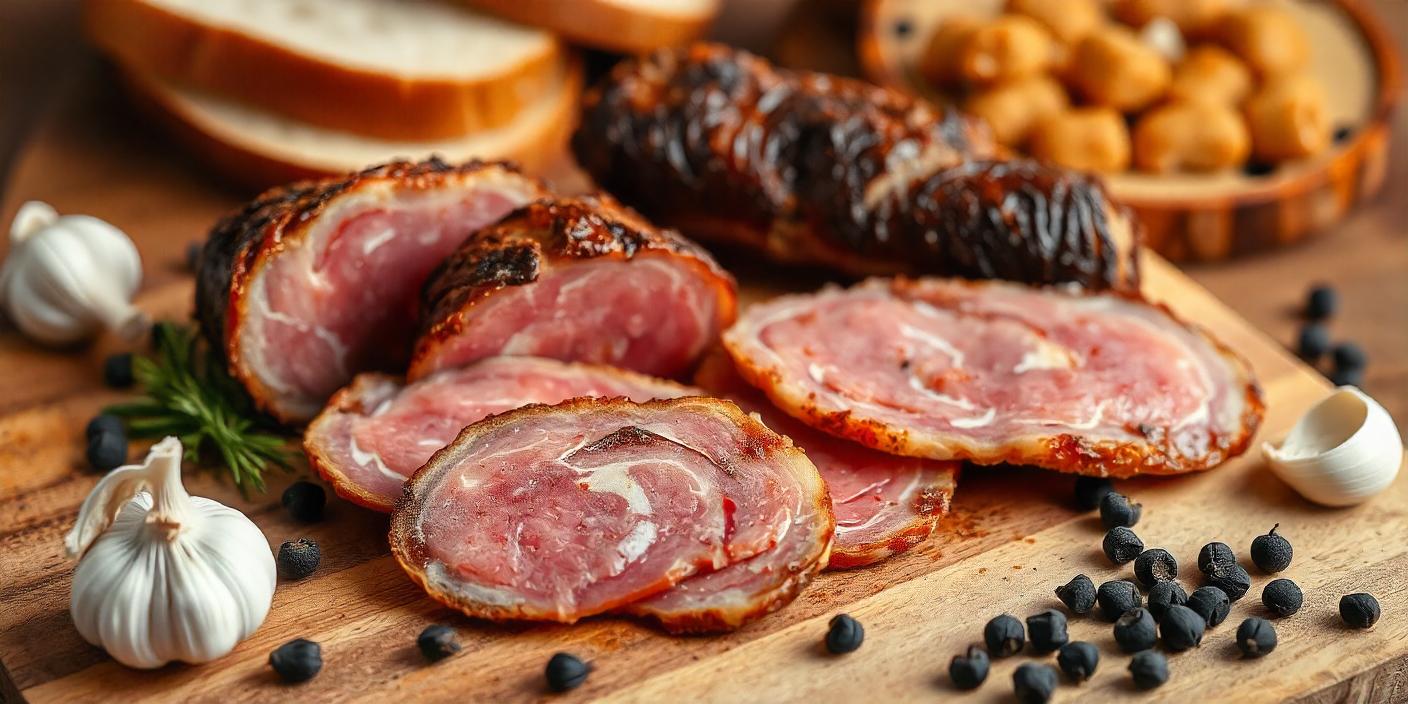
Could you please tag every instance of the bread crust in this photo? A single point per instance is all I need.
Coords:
(151, 40)
(603, 25)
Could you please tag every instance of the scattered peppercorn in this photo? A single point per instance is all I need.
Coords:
(103, 423)
(1004, 636)
(304, 501)
(1256, 637)
(1313, 342)
(1034, 683)
(1078, 594)
(117, 370)
(1117, 597)
(1122, 545)
(1117, 510)
(1347, 377)
(844, 635)
(107, 449)
(1359, 610)
(298, 558)
(1090, 490)
(1135, 631)
(969, 671)
(1149, 669)
(1342, 133)
(1214, 557)
(1078, 659)
(1155, 565)
(1047, 631)
(1348, 355)
(566, 671)
(903, 28)
(1282, 596)
(1271, 553)
(298, 660)
(1211, 603)
(1163, 595)
(1320, 302)
(1182, 628)
(437, 642)
(1233, 580)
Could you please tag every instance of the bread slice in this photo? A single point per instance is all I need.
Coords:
(405, 70)
(617, 25)
(258, 149)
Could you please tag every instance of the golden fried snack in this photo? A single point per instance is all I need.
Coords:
(1190, 136)
(1086, 139)
(1288, 119)
(1013, 107)
(1269, 39)
(939, 64)
(1211, 74)
(1067, 21)
(1195, 18)
(1112, 67)
(1010, 46)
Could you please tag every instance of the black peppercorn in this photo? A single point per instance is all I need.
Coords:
(1117, 597)
(1047, 631)
(1214, 557)
(1122, 545)
(1359, 610)
(298, 558)
(1282, 596)
(845, 634)
(1078, 659)
(103, 423)
(1034, 683)
(566, 671)
(107, 449)
(1135, 631)
(1342, 133)
(1090, 490)
(1348, 355)
(1313, 342)
(117, 370)
(969, 671)
(1233, 580)
(304, 501)
(1347, 377)
(1256, 637)
(1320, 302)
(437, 642)
(298, 660)
(1271, 553)
(1117, 510)
(1155, 565)
(1182, 628)
(1211, 603)
(1078, 594)
(1004, 636)
(1149, 669)
(1163, 595)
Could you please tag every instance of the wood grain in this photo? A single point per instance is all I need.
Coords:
(1013, 538)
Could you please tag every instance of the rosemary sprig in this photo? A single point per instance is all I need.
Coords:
(189, 395)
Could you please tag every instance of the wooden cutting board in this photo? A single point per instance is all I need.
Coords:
(1012, 538)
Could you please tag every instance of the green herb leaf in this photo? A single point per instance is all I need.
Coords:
(189, 395)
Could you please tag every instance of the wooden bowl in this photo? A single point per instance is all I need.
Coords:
(1214, 216)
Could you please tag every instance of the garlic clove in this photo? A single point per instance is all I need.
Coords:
(1344, 450)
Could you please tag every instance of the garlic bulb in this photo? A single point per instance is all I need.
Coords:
(66, 276)
(173, 577)
(1342, 451)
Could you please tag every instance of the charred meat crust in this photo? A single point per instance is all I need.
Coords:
(931, 505)
(821, 169)
(260, 227)
(406, 539)
(520, 247)
(349, 399)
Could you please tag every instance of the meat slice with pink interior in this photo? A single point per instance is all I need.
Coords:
(576, 279)
(309, 284)
(586, 506)
(378, 431)
(1101, 384)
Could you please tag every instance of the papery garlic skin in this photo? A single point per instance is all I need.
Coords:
(65, 277)
(173, 577)
(1342, 452)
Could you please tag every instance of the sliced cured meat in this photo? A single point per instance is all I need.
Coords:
(378, 431)
(561, 512)
(311, 283)
(884, 503)
(577, 279)
(808, 167)
(991, 372)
